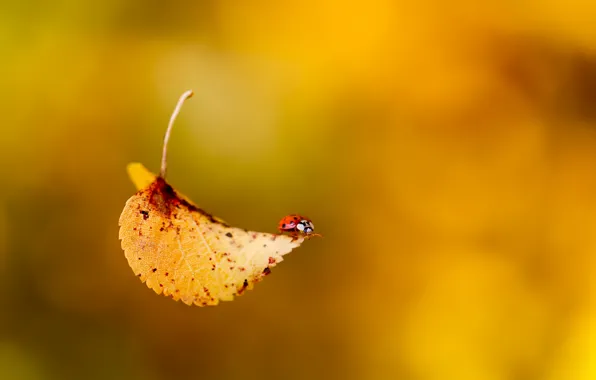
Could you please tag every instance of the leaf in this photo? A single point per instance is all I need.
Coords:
(183, 252)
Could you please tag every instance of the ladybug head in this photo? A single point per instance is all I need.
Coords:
(305, 226)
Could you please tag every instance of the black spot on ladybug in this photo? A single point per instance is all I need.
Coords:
(283, 225)
(229, 234)
(145, 214)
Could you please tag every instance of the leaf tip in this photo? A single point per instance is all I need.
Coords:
(139, 175)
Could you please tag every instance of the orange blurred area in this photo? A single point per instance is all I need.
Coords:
(446, 151)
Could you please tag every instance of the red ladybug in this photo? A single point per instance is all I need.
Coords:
(296, 225)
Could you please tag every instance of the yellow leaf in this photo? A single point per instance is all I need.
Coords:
(183, 252)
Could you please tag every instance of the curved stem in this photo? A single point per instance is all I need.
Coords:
(164, 154)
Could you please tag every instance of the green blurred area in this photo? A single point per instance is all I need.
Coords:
(447, 151)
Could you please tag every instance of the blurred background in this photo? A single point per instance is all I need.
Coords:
(447, 151)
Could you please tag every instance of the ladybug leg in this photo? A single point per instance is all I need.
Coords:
(284, 232)
(312, 235)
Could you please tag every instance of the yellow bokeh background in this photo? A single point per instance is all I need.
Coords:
(446, 150)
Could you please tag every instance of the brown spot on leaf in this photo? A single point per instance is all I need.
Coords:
(244, 286)
(165, 200)
(145, 214)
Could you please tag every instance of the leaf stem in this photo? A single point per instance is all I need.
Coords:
(164, 154)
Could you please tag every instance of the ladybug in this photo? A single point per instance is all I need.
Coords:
(296, 225)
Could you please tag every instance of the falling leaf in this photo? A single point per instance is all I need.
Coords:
(183, 252)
